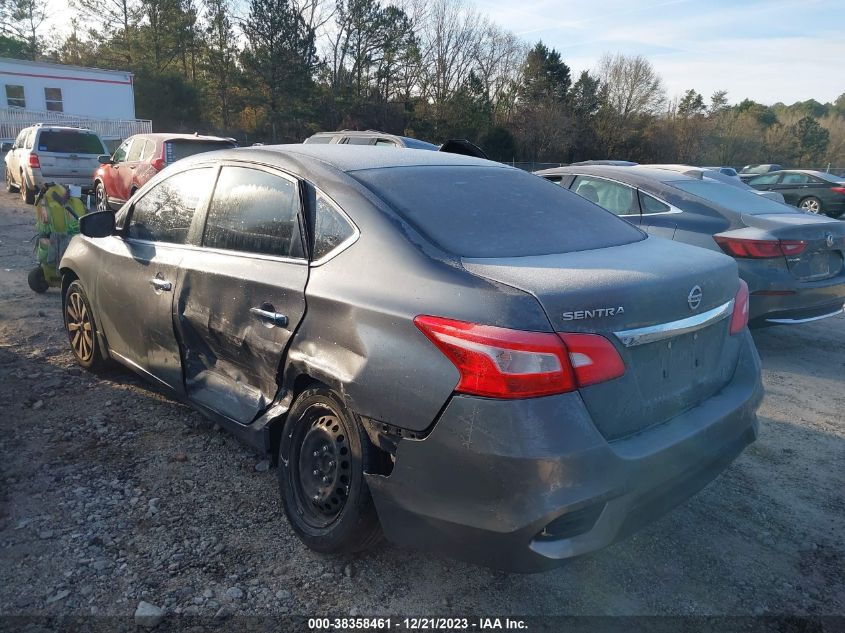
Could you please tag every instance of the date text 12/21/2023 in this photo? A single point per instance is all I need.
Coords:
(416, 624)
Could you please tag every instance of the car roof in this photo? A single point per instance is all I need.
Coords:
(809, 172)
(374, 134)
(162, 136)
(346, 158)
(635, 175)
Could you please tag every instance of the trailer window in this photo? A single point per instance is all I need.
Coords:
(15, 97)
(53, 99)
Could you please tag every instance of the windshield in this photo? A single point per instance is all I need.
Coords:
(733, 198)
(178, 149)
(70, 142)
(495, 212)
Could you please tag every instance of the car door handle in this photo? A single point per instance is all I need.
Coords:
(269, 317)
(161, 284)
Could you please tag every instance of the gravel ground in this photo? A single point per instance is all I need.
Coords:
(111, 494)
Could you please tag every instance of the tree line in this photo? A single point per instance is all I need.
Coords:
(279, 70)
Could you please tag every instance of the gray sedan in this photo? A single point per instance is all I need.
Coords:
(442, 349)
(792, 261)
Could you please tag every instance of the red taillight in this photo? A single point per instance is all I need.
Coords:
(739, 318)
(499, 362)
(760, 249)
(838, 190)
(33, 161)
(158, 163)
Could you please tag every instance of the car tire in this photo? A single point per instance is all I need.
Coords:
(10, 186)
(323, 455)
(102, 202)
(27, 194)
(811, 204)
(36, 280)
(81, 327)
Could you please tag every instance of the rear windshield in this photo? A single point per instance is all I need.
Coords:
(178, 149)
(837, 180)
(732, 198)
(495, 212)
(70, 142)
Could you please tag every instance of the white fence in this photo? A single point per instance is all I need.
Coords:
(13, 120)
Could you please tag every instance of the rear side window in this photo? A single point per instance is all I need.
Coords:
(650, 204)
(149, 147)
(135, 151)
(70, 142)
(182, 148)
(359, 140)
(495, 211)
(319, 140)
(165, 212)
(331, 229)
(796, 179)
(253, 211)
(617, 198)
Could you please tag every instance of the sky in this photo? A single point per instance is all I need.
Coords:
(765, 50)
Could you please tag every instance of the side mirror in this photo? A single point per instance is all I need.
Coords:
(97, 224)
(104, 159)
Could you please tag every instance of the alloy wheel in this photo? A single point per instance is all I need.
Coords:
(812, 205)
(79, 327)
(102, 204)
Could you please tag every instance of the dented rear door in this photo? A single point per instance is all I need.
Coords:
(241, 294)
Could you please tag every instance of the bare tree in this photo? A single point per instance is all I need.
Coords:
(631, 85)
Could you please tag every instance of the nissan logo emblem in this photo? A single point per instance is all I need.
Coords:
(829, 239)
(694, 297)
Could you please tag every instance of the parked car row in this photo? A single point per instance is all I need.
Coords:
(43, 154)
(357, 313)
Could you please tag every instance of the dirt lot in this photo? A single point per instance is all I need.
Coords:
(111, 494)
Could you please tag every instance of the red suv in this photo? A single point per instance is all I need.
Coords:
(141, 157)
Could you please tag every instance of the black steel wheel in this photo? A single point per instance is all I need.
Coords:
(81, 327)
(322, 459)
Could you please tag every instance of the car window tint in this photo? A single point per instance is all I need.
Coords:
(254, 211)
(733, 198)
(650, 204)
(135, 150)
(182, 148)
(120, 153)
(165, 212)
(795, 179)
(359, 140)
(615, 197)
(331, 228)
(70, 142)
(483, 211)
(383, 142)
(321, 140)
(768, 179)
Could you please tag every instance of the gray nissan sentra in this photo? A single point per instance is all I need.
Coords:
(444, 350)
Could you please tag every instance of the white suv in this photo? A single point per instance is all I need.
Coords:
(46, 153)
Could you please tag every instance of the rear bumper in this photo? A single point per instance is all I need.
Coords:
(36, 178)
(808, 299)
(522, 485)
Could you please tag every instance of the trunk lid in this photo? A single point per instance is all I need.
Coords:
(614, 290)
(825, 237)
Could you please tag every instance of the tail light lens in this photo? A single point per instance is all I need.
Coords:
(760, 249)
(158, 163)
(33, 161)
(497, 362)
(838, 190)
(739, 318)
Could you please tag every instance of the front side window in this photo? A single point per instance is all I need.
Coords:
(120, 153)
(615, 197)
(768, 179)
(15, 96)
(650, 204)
(254, 211)
(331, 228)
(53, 99)
(165, 212)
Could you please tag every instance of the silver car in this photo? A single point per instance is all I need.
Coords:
(48, 153)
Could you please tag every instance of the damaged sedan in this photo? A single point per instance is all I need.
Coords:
(443, 350)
